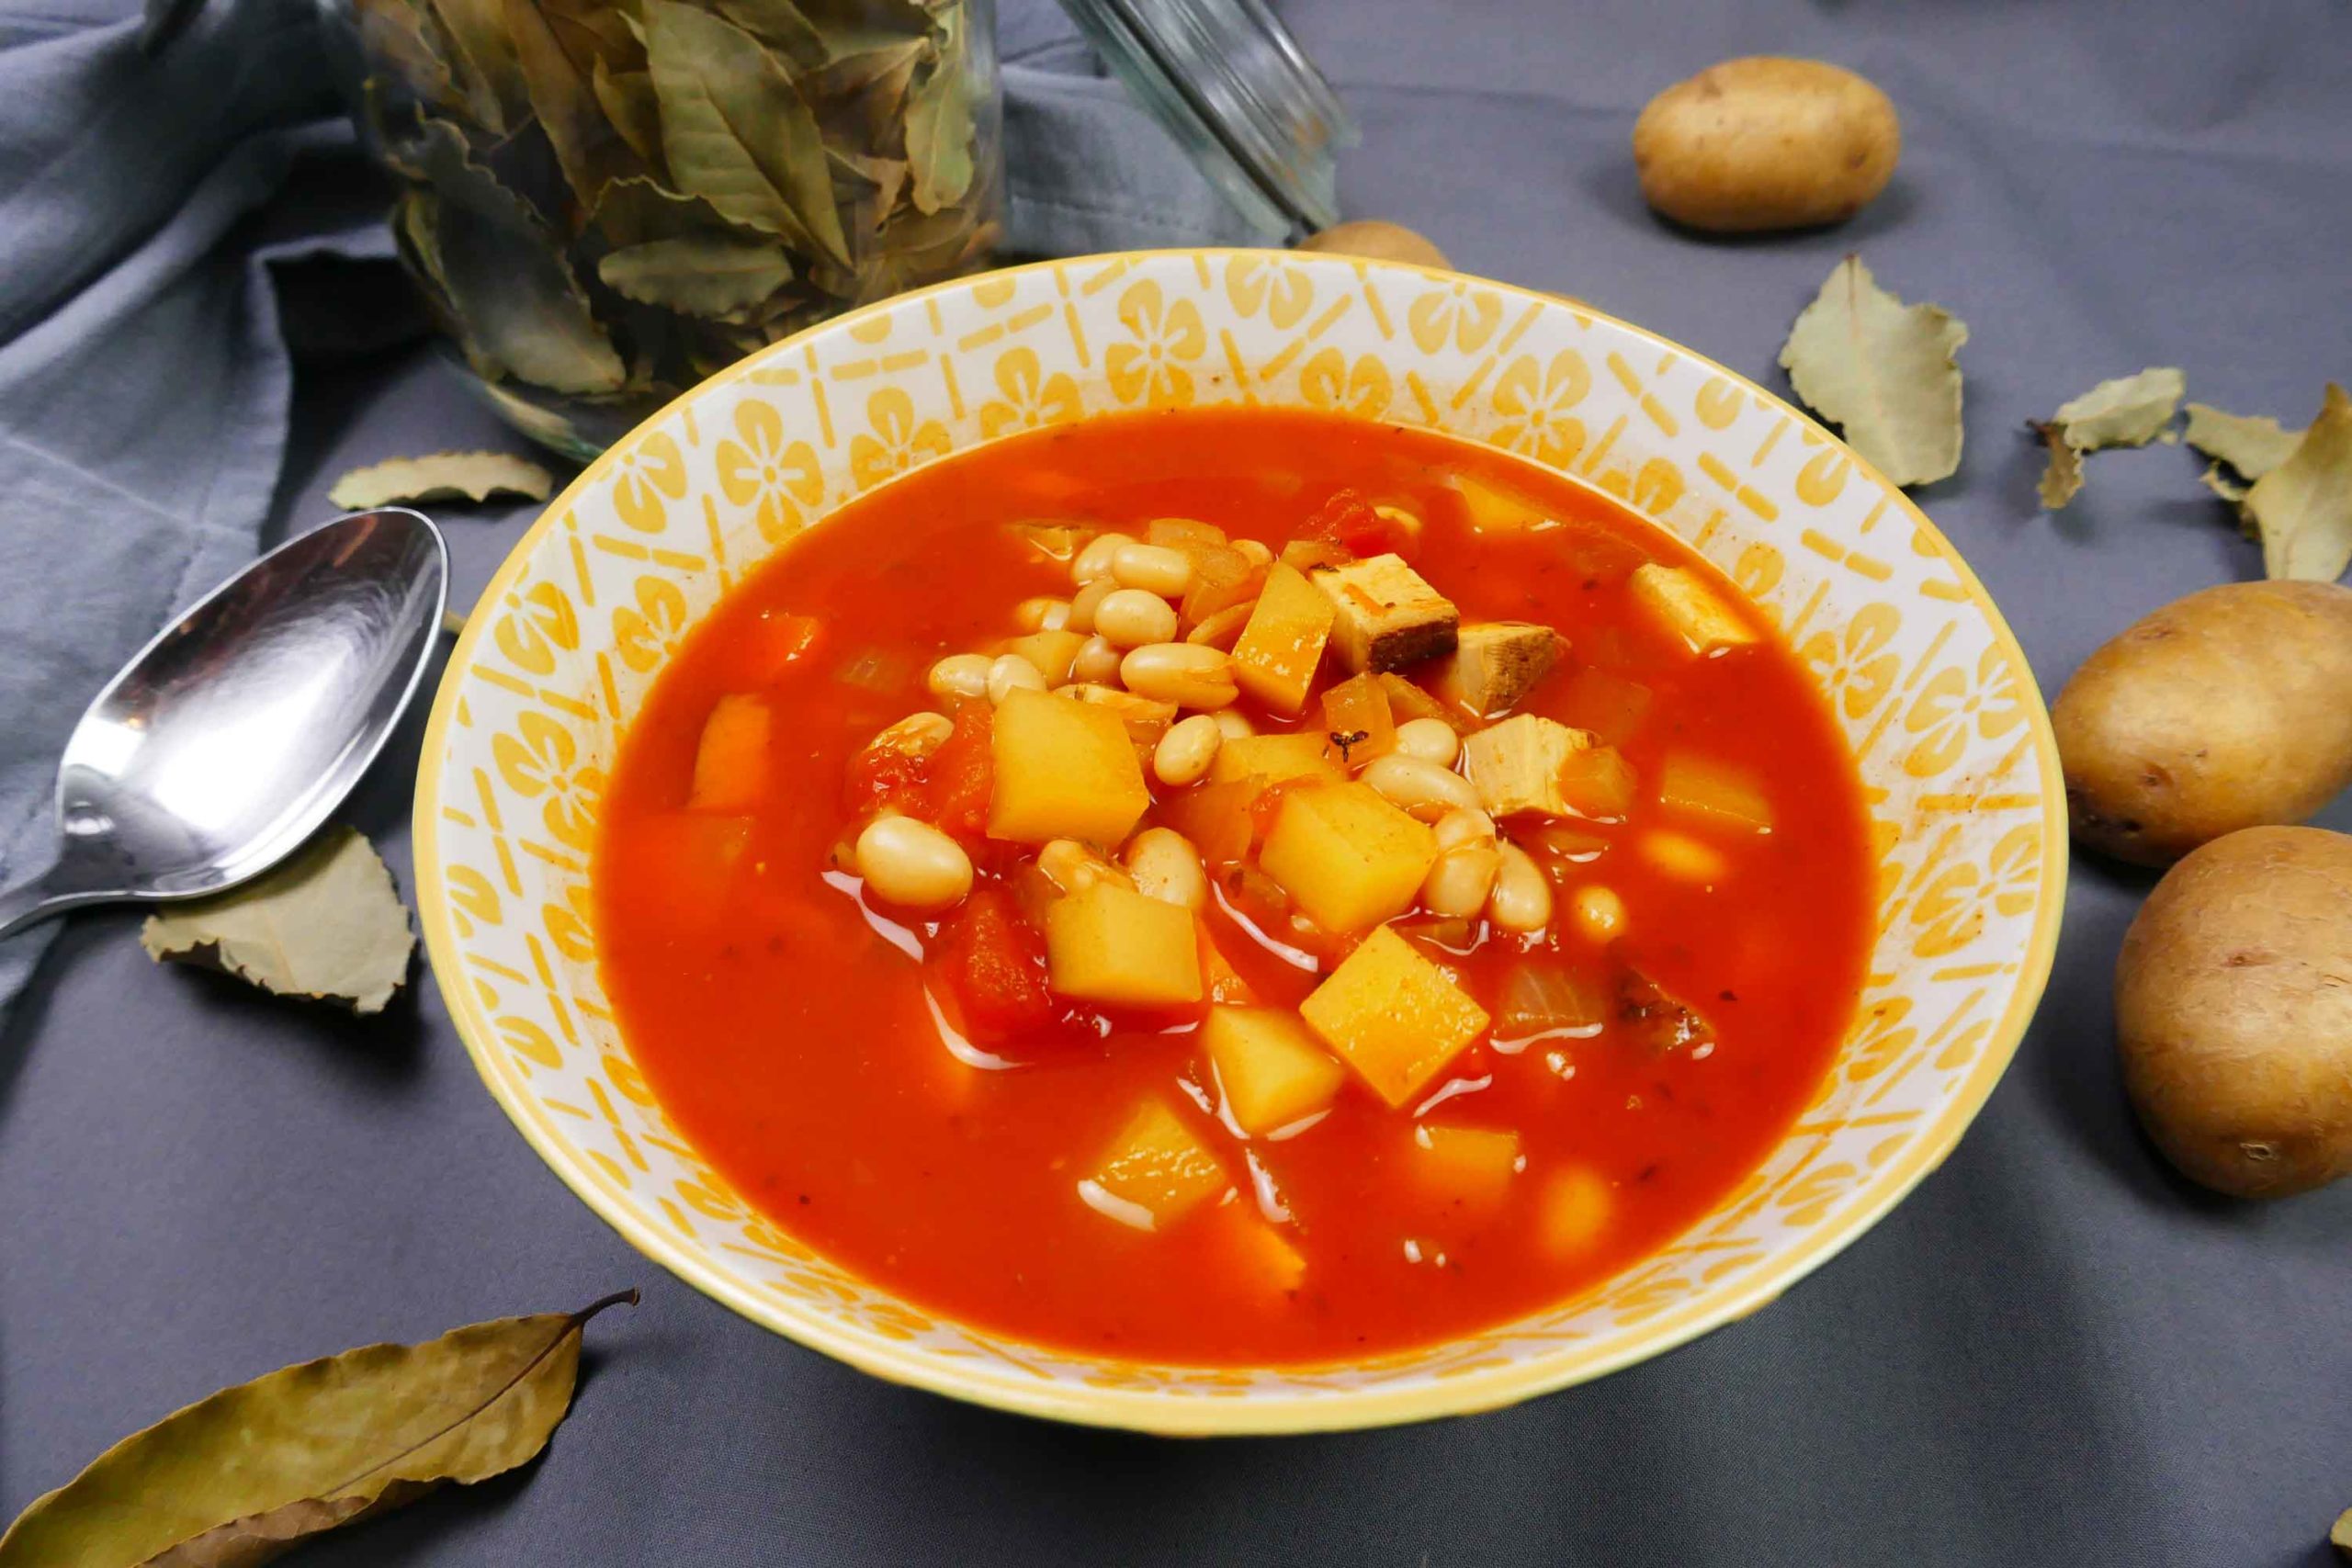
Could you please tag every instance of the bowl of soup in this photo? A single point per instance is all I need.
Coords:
(1235, 841)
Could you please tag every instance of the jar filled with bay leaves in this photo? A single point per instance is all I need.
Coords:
(606, 201)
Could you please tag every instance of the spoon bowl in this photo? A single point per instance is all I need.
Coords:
(226, 741)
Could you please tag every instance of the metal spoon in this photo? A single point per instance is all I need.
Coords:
(227, 741)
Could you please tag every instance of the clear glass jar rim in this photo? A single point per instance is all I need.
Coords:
(1231, 82)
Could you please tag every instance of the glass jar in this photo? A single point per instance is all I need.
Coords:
(606, 201)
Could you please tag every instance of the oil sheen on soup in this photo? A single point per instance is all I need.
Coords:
(1233, 887)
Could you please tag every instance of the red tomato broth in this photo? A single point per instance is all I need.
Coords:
(794, 1047)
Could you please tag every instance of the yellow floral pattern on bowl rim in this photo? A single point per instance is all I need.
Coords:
(1931, 689)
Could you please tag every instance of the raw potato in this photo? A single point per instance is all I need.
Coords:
(2234, 1015)
(2222, 710)
(1380, 242)
(1766, 142)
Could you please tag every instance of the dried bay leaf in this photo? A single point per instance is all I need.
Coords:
(557, 72)
(1883, 372)
(490, 74)
(2063, 479)
(441, 476)
(780, 25)
(394, 32)
(236, 1478)
(506, 278)
(2251, 444)
(327, 923)
(2128, 411)
(939, 127)
(629, 101)
(735, 131)
(2303, 509)
(705, 275)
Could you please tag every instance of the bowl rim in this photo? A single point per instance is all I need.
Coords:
(1144, 1409)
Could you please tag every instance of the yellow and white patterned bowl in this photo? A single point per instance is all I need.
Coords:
(1942, 714)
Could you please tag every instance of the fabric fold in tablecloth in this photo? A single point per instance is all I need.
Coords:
(145, 377)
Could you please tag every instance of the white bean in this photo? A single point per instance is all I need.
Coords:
(917, 735)
(1084, 603)
(1073, 867)
(1521, 900)
(1460, 879)
(1166, 867)
(1185, 753)
(959, 676)
(1599, 913)
(1042, 614)
(1094, 563)
(1184, 673)
(1234, 725)
(1097, 663)
(1134, 617)
(1464, 824)
(1431, 739)
(1010, 673)
(912, 863)
(1154, 567)
(1419, 785)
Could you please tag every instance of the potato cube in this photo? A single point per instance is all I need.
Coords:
(1147, 718)
(1220, 981)
(1495, 663)
(1493, 511)
(1599, 783)
(1731, 794)
(1109, 943)
(732, 760)
(1572, 1211)
(1275, 758)
(1063, 770)
(1358, 724)
(1689, 608)
(1216, 818)
(1051, 652)
(1408, 702)
(1346, 856)
(1515, 765)
(1155, 1172)
(1470, 1166)
(1392, 1016)
(1384, 615)
(1281, 648)
(1270, 1070)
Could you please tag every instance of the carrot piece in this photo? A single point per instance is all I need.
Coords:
(1357, 721)
(776, 642)
(732, 759)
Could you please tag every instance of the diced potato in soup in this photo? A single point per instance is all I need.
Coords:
(1325, 889)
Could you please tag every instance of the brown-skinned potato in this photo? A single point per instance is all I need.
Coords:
(2223, 710)
(1379, 241)
(1766, 142)
(2234, 1011)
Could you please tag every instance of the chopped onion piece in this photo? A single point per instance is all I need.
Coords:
(1540, 1002)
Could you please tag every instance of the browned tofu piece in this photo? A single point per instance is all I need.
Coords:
(1515, 765)
(1495, 663)
(1387, 617)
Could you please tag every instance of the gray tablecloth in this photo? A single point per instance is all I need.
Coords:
(2054, 1352)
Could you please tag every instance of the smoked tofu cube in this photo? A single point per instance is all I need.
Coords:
(1109, 943)
(1051, 652)
(1384, 615)
(1469, 1166)
(732, 760)
(1281, 648)
(1063, 770)
(1495, 664)
(1155, 1172)
(1392, 1016)
(1347, 857)
(1515, 765)
(1688, 608)
(1276, 758)
(1271, 1071)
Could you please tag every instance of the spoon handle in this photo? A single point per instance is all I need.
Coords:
(53, 892)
